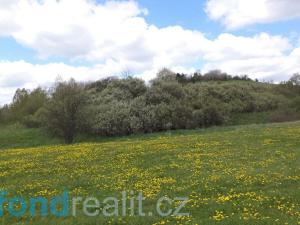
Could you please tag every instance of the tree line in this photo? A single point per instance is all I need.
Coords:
(123, 106)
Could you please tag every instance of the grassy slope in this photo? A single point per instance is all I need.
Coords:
(16, 136)
(233, 175)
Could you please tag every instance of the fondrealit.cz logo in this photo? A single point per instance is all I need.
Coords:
(129, 204)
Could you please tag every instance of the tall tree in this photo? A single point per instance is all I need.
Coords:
(295, 79)
(65, 109)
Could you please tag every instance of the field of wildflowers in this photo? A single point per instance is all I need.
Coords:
(235, 175)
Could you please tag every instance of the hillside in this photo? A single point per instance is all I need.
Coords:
(115, 107)
(17, 136)
(233, 175)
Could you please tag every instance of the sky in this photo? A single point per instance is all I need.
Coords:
(92, 39)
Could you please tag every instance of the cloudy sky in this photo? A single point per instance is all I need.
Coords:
(92, 39)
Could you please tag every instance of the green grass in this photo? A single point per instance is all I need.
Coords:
(232, 175)
(16, 136)
(249, 118)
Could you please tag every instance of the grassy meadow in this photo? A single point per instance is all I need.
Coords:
(232, 175)
(16, 136)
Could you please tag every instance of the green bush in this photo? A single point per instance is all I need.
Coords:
(112, 119)
(116, 107)
(24, 106)
(65, 110)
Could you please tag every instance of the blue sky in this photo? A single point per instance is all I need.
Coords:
(189, 14)
(89, 40)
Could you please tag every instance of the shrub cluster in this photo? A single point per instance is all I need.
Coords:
(122, 107)
(116, 107)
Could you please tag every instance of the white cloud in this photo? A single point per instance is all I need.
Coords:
(262, 56)
(21, 74)
(239, 13)
(228, 46)
(24, 74)
(72, 28)
(84, 29)
(115, 37)
(6, 95)
(269, 69)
